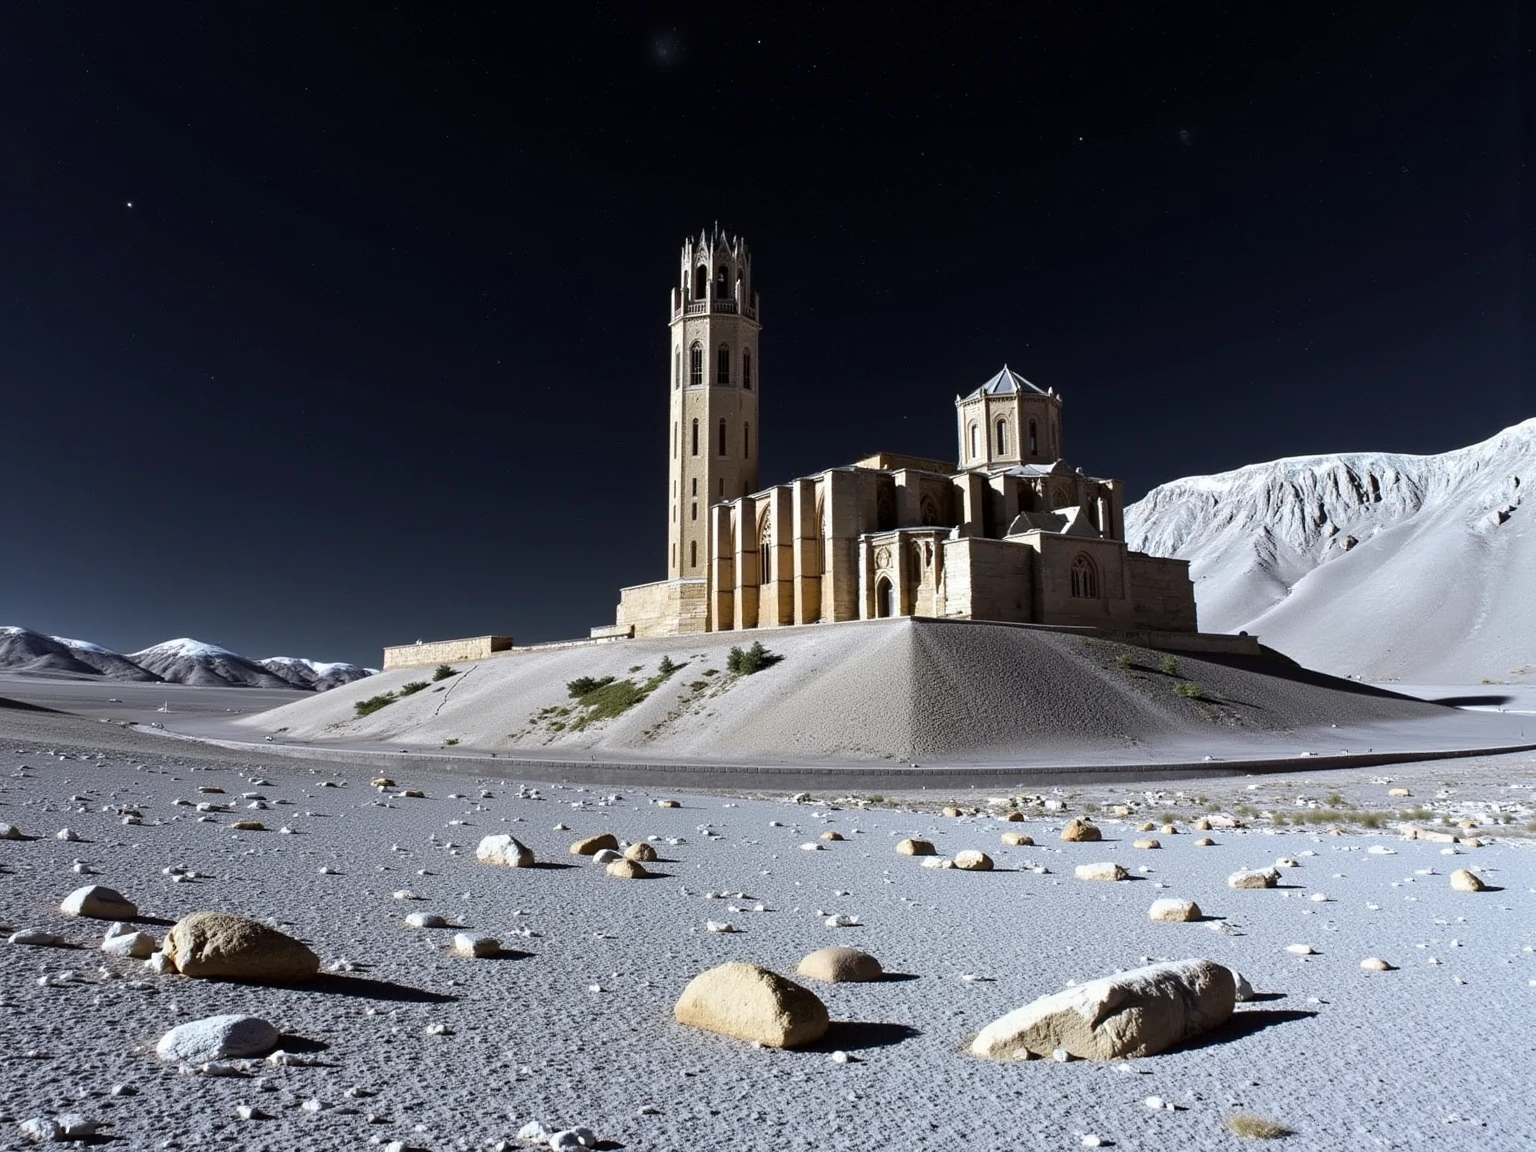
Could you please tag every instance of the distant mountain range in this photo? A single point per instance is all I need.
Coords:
(1372, 564)
(181, 661)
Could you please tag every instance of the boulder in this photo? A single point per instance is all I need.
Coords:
(132, 945)
(1136, 1013)
(248, 826)
(972, 860)
(222, 946)
(217, 1038)
(10, 832)
(606, 856)
(1465, 880)
(1172, 911)
(841, 966)
(622, 869)
(1205, 842)
(99, 903)
(1375, 964)
(504, 850)
(752, 1004)
(425, 920)
(1146, 826)
(1081, 832)
(1101, 871)
(595, 844)
(953, 812)
(475, 944)
(1014, 816)
(1254, 878)
(915, 848)
(668, 804)
(1398, 792)
(829, 835)
(1147, 843)
(1018, 840)
(640, 853)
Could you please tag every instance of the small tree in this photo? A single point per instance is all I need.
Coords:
(442, 672)
(667, 666)
(754, 659)
(1170, 666)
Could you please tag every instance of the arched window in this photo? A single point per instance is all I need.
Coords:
(723, 366)
(765, 552)
(746, 371)
(746, 441)
(696, 364)
(883, 606)
(700, 282)
(1034, 440)
(1085, 578)
(722, 284)
(975, 445)
(1002, 437)
(695, 435)
(693, 553)
(722, 435)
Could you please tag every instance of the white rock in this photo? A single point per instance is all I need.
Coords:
(1301, 949)
(36, 936)
(571, 1138)
(217, 1038)
(42, 1128)
(1104, 870)
(1174, 911)
(133, 945)
(1254, 878)
(425, 920)
(66, 834)
(606, 856)
(841, 920)
(99, 903)
(10, 832)
(475, 944)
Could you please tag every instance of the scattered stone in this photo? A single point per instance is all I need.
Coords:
(1174, 911)
(425, 920)
(1398, 792)
(753, 1004)
(1018, 840)
(841, 966)
(641, 853)
(1202, 825)
(1465, 880)
(1254, 878)
(1014, 816)
(1146, 826)
(66, 834)
(504, 850)
(222, 946)
(938, 862)
(841, 920)
(668, 804)
(623, 869)
(42, 1128)
(915, 848)
(131, 945)
(953, 812)
(1375, 964)
(1101, 871)
(408, 794)
(973, 860)
(1301, 950)
(475, 944)
(594, 844)
(217, 1038)
(831, 835)
(1147, 843)
(160, 964)
(1287, 862)
(1135, 1013)
(1081, 831)
(1245, 990)
(248, 826)
(10, 832)
(1205, 842)
(36, 936)
(606, 856)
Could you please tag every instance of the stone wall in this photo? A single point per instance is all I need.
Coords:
(665, 608)
(445, 651)
(1162, 594)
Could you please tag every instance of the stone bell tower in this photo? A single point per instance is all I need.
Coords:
(714, 379)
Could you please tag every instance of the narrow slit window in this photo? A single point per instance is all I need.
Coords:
(723, 365)
(696, 365)
(695, 436)
(746, 371)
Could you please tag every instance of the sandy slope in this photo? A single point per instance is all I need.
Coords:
(1372, 564)
(575, 1028)
(898, 690)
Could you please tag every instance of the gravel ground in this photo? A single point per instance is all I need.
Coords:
(574, 1027)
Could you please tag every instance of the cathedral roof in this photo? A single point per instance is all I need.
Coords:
(1006, 383)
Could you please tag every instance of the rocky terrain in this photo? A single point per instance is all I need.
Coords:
(182, 661)
(405, 988)
(1370, 564)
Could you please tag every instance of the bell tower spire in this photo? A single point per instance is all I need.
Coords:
(714, 381)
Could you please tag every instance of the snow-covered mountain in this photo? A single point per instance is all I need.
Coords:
(181, 661)
(1372, 564)
(314, 674)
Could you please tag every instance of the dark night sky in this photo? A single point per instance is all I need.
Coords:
(379, 351)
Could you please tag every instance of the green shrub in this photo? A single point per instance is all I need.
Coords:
(754, 659)
(711, 671)
(1251, 1127)
(1189, 691)
(442, 672)
(1125, 661)
(413, 687)
(371, 705)
(450, 742)
(666, 667)
(586, 685)
(1170, 666)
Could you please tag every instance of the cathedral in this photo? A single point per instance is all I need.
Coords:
(1009, 532)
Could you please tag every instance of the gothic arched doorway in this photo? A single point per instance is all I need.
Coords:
(883, 607)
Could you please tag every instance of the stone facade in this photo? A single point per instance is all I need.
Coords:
(1011, 533)
(430, 654)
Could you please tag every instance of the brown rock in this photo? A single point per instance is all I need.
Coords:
(595, 844)
(841, 966)
(915, 848)
(1081, 831)
(668, 804)
(627, 870)
(222, 946)
(1146, 844)
(952, 812)
(753, 1004)
(1018, 840)
(1205, 842)
(248, 826)
(1464, 880)
(640, 852)
(830, 835)
(1014, 817)
(972, 860)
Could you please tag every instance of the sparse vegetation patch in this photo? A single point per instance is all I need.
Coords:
(371, 705)
(1253, 1127)
(442, 672)
(746, 661)
(413, 687)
